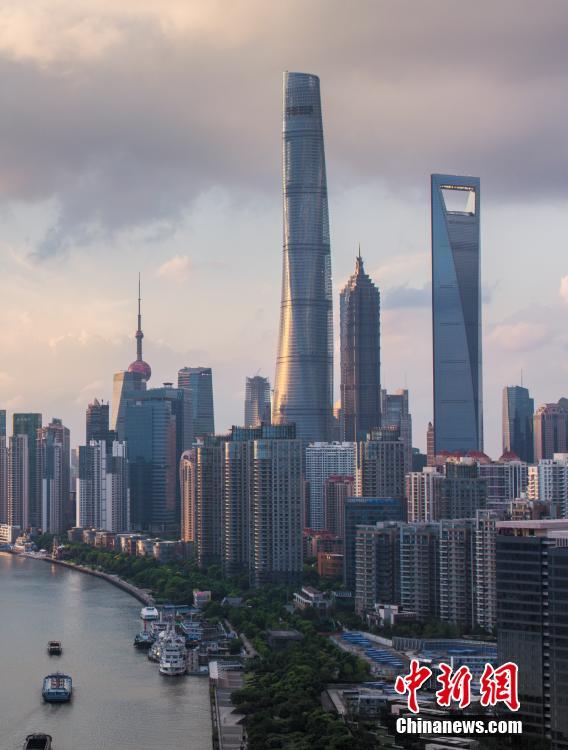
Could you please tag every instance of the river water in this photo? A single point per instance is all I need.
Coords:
(120, 701)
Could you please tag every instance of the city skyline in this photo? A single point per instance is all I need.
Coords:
(57, 357)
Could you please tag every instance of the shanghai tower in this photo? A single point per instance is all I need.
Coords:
(303, 390)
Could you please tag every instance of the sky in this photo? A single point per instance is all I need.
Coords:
(145, 136)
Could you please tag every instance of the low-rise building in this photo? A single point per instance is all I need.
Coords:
(311, 597)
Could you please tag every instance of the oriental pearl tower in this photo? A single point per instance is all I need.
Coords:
(139, 366)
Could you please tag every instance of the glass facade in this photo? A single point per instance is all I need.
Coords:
(518, 411)
(257, 401)
(303, 390)
(456, 314)
(29, 424)
(198, 382)
(359, 315)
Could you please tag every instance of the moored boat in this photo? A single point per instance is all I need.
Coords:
(54, 648)
(173, 654)
(38, 742)
(149, 614)
(144, 640)
(57, 688)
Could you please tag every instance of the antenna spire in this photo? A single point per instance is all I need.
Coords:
(139, 334)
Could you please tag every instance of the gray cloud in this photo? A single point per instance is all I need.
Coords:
(405, 296)
(124, 117)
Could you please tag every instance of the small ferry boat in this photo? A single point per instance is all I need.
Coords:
(38, 742)
(57, 688)
(54, 648)
(149, 613)
(144, 640)
(173, 654)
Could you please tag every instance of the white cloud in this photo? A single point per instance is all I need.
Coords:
(519, 336)
(564, 288)
(175, 269)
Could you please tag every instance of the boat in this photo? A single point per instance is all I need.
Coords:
(144, 640)
(54, 648)
(149, 613)
(38, 742)
(172, 654)
(57, 688)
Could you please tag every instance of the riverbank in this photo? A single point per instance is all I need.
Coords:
(129, 588)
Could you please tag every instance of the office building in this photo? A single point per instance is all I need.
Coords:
(381, 464)
(424, 495)
(395, 413)
(2, 423)
(97, 421)
(336, 489)
(257, 401)
(198, 382)
(360, 343)
(550, 428)
(518, 412)
(456, 572)
(420, 569)
(53, 471)
(365, 510)
(430, 445)
(303, 390)
(532, 586)
(456, 314)
(29, 424)
(18, 482)
(322, 461)
(157, 429)
(103, 494)
(464, 491)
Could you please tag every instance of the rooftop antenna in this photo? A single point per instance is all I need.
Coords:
(521, 377)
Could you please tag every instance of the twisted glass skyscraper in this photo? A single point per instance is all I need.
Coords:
(456, 314)
(303, 390)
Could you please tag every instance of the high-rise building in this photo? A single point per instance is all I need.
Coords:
(506, 479)
(198, 382)
(97, 421)
(395, 413)
(456, 571)
(377, 565)
(237, 486)
(103, 496)
(257, 401)
(322, 461)
(548, 483)
(518, 411)
(303, 392)
(276, 514)
(532, 585)
(424, 494)
(456, 314)
(430, 445)
(550, 427)
(381, 464)
(2, 423)
(484, 581)
(420, 569)
(53, 451)
(464, 491)
(360, 341)
(4, 457)
(18, 481)
(365, 510)
(206, 466)
(336, 489)
(186, 476)
(157, 430)
(133, 379)
(28, 424)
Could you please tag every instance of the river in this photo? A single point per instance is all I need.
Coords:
(120, 701)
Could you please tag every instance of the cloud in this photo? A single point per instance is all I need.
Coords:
(405, 296)
(175, 269)
(564, 288)
(520, 336)
(122, 115)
